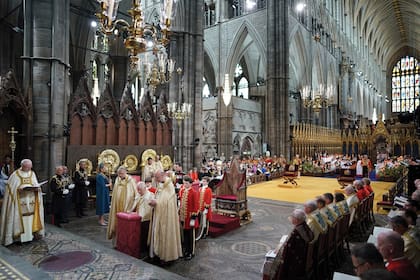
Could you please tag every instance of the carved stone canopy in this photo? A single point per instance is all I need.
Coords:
(12, 96)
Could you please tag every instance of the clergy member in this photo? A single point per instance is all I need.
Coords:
(144, 210)
(123, 196)
(149, 169)
(22, 215)
(164, 233)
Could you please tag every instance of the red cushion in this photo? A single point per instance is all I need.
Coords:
(133, 216)
(228, 197)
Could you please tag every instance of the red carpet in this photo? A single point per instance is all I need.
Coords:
(66, 261)
(220, 224)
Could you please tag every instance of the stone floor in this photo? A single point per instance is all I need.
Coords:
(238, 254)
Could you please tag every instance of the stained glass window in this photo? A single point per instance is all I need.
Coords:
(406, 85)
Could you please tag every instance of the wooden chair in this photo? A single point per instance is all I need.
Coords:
(289, 176)
(320, 256)
(346, 176)
(230, 194)
(332, 257)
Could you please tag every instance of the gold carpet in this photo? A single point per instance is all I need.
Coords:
(308, 188)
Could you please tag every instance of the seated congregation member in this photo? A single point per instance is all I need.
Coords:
(103, 184)
(290, 260)
(352, 201)
(366, 257)
(381, 274)
(334, 208)
(144, 210)
(411, 237)
(205, 195)
(340, 201)
(413, 206)
(416, 195)
(329, 216)
(361, 192)
(391, 246)
(164, 233)
(411, 217)
(367, 186)
(314, 219)
(188, 215)
(123, 196)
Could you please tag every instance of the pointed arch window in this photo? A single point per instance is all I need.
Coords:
(240, 83)
(406, 85)
(95, 82)
(206, 89)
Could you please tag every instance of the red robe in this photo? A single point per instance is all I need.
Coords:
(189, 205)
(205, 200)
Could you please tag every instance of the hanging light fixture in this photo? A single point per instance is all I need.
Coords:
(181, 110)
(317, 100)
(138, 35)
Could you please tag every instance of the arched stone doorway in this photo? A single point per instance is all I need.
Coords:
(246, 148)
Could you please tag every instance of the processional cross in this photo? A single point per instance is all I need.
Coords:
(12, 144)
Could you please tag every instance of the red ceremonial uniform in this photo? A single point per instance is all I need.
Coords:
(205, 200)
(362, 194)
(188, 206)
(194, 175)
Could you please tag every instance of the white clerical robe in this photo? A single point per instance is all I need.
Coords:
(164, 233)
(123, 195)
(148, 171)
(142, 207)
(22, 211)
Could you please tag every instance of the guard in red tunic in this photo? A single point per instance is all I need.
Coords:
(205, 203)
(188, 212)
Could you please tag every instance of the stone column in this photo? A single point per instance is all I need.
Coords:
(120, 79)
(187, 50)
(276, 123)
(343, 88)
(46, 66)
(224, 127)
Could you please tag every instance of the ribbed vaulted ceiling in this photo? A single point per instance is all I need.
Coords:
(388, 26)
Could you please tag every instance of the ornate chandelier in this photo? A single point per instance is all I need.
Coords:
(179, 111)
(158, 71)
(317, 99)
(138, 35)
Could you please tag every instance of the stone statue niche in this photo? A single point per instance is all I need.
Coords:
(382, 148)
